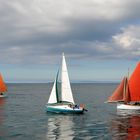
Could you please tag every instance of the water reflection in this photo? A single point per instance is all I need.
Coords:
(126, 125)
(2, 103)
(60, 127)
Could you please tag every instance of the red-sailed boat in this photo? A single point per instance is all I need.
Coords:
(3, 87)
(127, 94)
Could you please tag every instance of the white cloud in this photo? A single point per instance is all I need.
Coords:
(129, 38)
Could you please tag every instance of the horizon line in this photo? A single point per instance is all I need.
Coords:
(73, 82)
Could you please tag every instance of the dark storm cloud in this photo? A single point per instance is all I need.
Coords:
(39, 31)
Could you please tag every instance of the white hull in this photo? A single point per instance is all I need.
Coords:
(3, 96)
(128, 107)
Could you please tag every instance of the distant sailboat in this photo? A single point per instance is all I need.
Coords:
(3, 87)
(127, 94)
(64, 102)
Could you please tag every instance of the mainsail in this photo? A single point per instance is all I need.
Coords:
(121, 93)
(3, 87)
(54, 93)
(66, 92)
(126, 94)
(118, 93)
(134, 84)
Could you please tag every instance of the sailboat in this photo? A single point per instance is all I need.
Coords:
(63, 102)
(127, 94)
(3, 87)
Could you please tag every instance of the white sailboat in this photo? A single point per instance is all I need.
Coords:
(64, 102)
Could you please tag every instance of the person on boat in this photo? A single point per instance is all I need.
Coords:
(1, 93)
(76, 106)
(82, 105)
(70, 105)
(137, 103)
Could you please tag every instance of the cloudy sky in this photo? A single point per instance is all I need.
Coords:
(100, 39)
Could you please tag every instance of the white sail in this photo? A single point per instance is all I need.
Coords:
(66, 92)
(53, 98)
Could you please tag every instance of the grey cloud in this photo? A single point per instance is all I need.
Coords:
(35, 32)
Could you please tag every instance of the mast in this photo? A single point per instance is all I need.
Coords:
(56, 87)
(66, 92)
(128, 74)
(126, 98)
(3, 87)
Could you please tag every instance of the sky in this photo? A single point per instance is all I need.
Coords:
(100, 39)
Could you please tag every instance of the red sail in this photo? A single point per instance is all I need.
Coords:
(3, 87)
(126, 95)
(118, 93)
(134, 84)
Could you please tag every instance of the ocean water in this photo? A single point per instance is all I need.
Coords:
(23, 115)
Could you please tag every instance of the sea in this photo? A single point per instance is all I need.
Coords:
(23, 115)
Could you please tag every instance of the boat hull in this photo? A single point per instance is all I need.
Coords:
(64, 109)
(3, 96)
(128, 107)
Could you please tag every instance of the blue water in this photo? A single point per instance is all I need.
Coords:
(23, 116)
